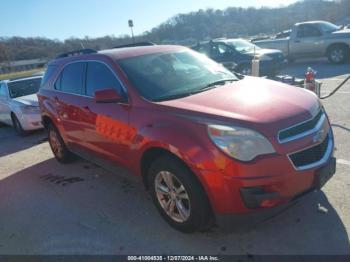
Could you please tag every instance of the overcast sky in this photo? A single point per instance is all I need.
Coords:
(62, 19)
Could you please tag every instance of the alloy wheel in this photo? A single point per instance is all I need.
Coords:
(55, 143)
(172, 196)
(337, 55)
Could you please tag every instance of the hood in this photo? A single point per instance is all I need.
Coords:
(269, 52)
(265, 105)
(29, 100)
(344, 32)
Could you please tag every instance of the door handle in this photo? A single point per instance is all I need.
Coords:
(297, 41)
(86, 108)
(56, 100)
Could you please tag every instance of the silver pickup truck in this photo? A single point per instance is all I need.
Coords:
(312, 39)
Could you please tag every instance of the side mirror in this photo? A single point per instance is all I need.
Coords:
(108, 95)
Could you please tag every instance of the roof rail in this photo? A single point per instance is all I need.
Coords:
(77, 52)
(136, 44)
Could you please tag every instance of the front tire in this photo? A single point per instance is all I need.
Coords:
(245, 69)
(338, 54)
(17, 125)
(178, 195)
(58, 147)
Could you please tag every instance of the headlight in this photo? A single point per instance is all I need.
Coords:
(240, 143)
(30, 109)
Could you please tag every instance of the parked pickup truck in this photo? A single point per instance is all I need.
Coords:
(312, 39)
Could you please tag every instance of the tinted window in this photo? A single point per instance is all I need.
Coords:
(24, 88)
(308, 31)
(48, 73)
(57, 85)
(99, 77)
(72, 78)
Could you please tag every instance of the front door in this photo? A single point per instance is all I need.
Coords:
(106, 125)
(308, 42)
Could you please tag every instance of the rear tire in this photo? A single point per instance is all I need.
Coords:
(338, 54)
(58, 147)
(17, 125)
(178, 196)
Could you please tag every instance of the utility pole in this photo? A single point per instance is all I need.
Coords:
(131, 25)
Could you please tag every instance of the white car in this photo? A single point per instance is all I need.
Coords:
(19, 104)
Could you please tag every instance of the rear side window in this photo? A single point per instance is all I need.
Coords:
(71, 79)
(99, 77)
(48, 73)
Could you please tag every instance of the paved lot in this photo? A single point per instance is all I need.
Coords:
(49, 208)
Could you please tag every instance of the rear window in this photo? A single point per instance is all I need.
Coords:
(71, 79)
(24, 87)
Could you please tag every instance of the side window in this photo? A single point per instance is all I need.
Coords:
(305, 31)
(218, 50)
(71, 79)
(223, 49)
(99, 77)
(48, 73)
(3, 92)
(57, 84)
(204, 49)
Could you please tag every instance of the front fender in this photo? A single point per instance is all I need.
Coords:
(187, 144)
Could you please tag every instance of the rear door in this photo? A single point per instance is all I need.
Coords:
(68, 100)
(106, 125)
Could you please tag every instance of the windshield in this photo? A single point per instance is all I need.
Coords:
(24, 87)
(166, 76)
(328, 27)
(242, 46)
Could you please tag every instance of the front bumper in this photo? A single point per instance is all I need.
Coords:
(31, 121)
(271, 67)
(266, 182)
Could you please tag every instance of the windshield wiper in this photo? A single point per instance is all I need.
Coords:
(205, 88)
(171, 97)
(214, 84)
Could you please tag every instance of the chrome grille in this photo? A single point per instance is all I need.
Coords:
(302, 129)
(313, 156)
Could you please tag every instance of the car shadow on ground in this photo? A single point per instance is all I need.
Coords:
(50, 208)
(323, 68)
(9, 140)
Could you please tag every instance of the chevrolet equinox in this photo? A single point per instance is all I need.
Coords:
(207, 144)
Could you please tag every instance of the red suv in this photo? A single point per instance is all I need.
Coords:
(207, 144)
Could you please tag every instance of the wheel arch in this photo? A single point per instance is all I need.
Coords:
(152, 153)
(13, 115)
(46, 120)
(149, 156)
(329, 48)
